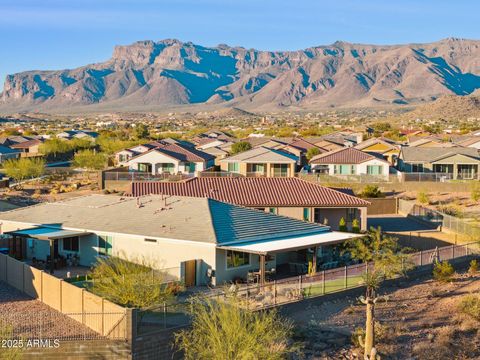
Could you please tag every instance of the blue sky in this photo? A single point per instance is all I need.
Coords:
(57, 34)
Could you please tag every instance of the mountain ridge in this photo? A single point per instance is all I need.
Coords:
(170, 73)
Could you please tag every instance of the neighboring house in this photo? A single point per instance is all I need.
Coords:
(455, 162)
(7, 153)
(328, 145)
(471, 142)
(299, 147)
(122, 157)
(28, 148)
(350, 161)
(430, 142)
(78, 134)
(199, 240)
(171, 159)
(261, 161)
(384, 147)
(290, 197)
(218, 153)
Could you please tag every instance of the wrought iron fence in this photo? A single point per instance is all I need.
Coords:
(143, 176)
(53, 325)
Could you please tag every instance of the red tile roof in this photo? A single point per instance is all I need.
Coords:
(343, 156)
(253, 192)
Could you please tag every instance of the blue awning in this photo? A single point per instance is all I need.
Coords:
(46, 233)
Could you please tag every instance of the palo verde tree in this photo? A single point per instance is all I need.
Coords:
(130, 282)
(24, 168)
(314, 151)
(223, 330)
(240, 146)
(90, 159)
(387, 259)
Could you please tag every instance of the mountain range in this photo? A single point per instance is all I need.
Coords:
(150, 75)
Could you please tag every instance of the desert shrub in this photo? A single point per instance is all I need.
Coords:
(452, 210)
(422, 198)
(371, 191)
(473, 268)
(443, 271)
(12, 353)
(240, 146)
(470, 305)
(475, 192)
(314, 151)
(251, 335)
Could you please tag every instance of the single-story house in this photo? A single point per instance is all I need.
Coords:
(200, 240)
(7, 153)
(123, 156)
(454, 162)
(384, 147)
(28, 148)
(350, 161)
(171, 159)
(261, 162)
(299, 147)
(78, 134)
(292, 197)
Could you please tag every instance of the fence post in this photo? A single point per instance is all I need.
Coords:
(275, 292)
(466, 250)
(345, 276)
(421, 257)
(299, 285)
(453, 251)
(164, 315)
(323, 282)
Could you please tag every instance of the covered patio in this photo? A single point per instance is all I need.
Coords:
(22, 240)
(268, 249)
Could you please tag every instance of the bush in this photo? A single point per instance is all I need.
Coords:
(240, 147)
(24, 168)
(224, 330)
(473, 267)
(371, 191)
(422, 198)
(314, 151)
(470, 305)
(443, 271)
(342, 225)
(355, 226)
(475, 193)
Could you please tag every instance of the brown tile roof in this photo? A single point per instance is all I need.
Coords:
(343, 156)
(302, 144)
(181, 153)
(26, 144)
(252, 192)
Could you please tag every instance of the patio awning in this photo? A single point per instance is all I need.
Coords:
(290, 244)
(45, 233)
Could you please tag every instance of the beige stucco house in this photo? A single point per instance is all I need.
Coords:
(199, 240)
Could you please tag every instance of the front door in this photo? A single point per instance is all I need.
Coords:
(190, 272)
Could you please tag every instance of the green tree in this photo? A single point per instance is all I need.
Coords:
(342, 225)
(130, 282)
(223, 330)
(314, 151)
(141, 131)
(55, 147)
(387, 260)
(356, 226)
(24, 168)
(240, 146)
(90, 159)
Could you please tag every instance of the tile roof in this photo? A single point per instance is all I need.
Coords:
(253, 192)
(302, 144)
(430, 154)
(390, 144)
(262, 154)
(343, 156)
(26, 144)
(173, 217)
(181, 153)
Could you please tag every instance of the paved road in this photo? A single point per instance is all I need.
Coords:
(397, 223)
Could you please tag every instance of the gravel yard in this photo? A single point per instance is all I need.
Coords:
(32, 319)
(420, 321)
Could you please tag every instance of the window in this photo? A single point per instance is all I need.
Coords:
(273, 210)
(70, 243)
(122, 158)
(280, 170)
(374, 169)
(144, 167)
(233, 167)
(190, 167)
(258, 168)
(344, 169)
(236, 259)
(306, 214)
(168, 168)
(417, 168)
(105, 243)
